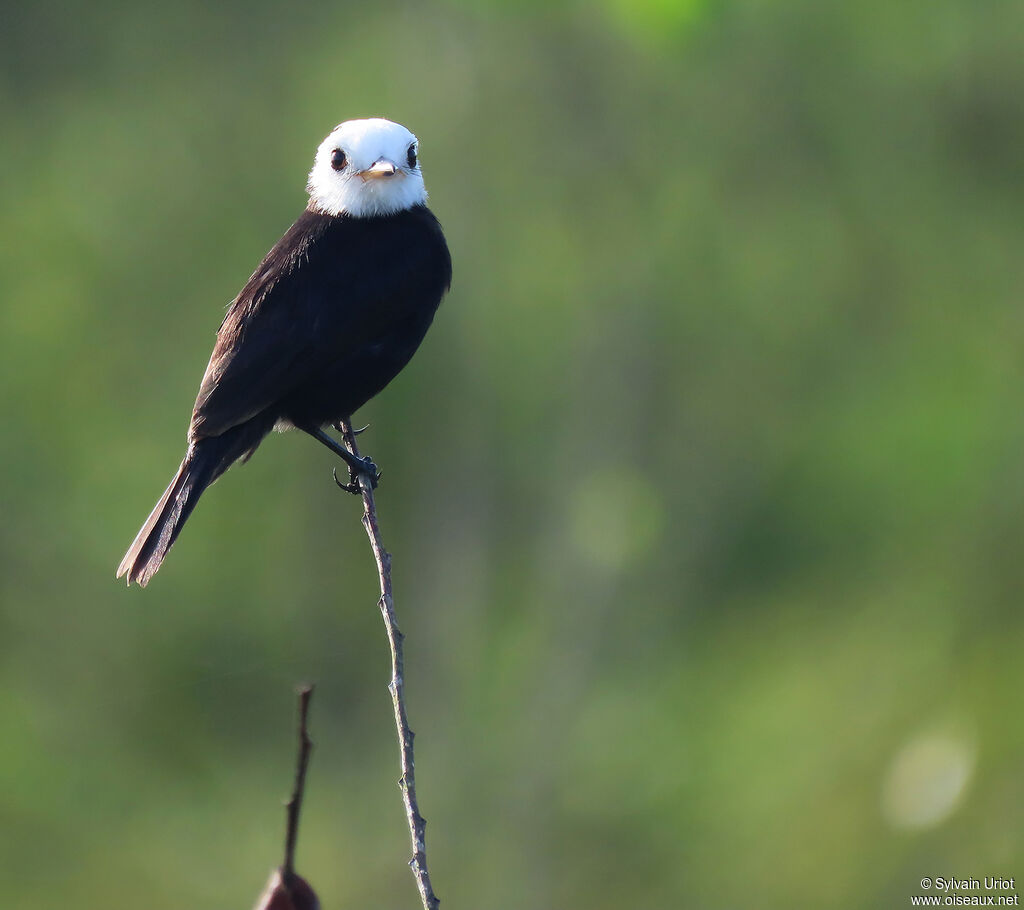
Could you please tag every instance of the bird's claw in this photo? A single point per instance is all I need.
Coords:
(366, 469)
(351, 487)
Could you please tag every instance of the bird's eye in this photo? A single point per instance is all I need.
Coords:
(411, 157)
(338, 159)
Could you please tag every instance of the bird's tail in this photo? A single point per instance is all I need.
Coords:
(166, 520)
(204, 462)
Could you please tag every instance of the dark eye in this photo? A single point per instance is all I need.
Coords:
(411, 157)
(338, 159)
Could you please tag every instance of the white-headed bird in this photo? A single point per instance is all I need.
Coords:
(332, 314)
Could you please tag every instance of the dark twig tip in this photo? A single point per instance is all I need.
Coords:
(288, 892)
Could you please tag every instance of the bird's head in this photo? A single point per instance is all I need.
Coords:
(366, 168)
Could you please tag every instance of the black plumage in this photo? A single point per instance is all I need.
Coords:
(335, 310)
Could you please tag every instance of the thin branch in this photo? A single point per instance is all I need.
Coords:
(294, 805)
(417, 823)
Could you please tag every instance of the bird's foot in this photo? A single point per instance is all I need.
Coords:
(351, 487)
(355, 432)
(366, 468)
(357, 466)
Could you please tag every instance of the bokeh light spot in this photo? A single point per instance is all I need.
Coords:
(927, 780)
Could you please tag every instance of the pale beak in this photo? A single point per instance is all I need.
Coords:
(380, 168)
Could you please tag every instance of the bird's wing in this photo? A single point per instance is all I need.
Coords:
(264, 343)
(330, 289)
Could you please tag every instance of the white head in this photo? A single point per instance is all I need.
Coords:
(365, 168)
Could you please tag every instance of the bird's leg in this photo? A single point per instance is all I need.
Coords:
(356, 465)
(358, 432)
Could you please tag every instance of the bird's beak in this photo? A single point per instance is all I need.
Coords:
(380, 168)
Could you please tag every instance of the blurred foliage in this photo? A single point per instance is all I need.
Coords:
(706, 491)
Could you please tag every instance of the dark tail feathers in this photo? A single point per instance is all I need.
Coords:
(204, 462)
(165, 521)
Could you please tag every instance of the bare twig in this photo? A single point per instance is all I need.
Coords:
(417, 823)
(287, 890)
(294, 805)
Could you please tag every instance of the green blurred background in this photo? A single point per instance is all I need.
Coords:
(722, 605)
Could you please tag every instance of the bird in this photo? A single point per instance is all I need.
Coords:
(330, 316)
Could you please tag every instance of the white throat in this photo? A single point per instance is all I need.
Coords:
(375, 176)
